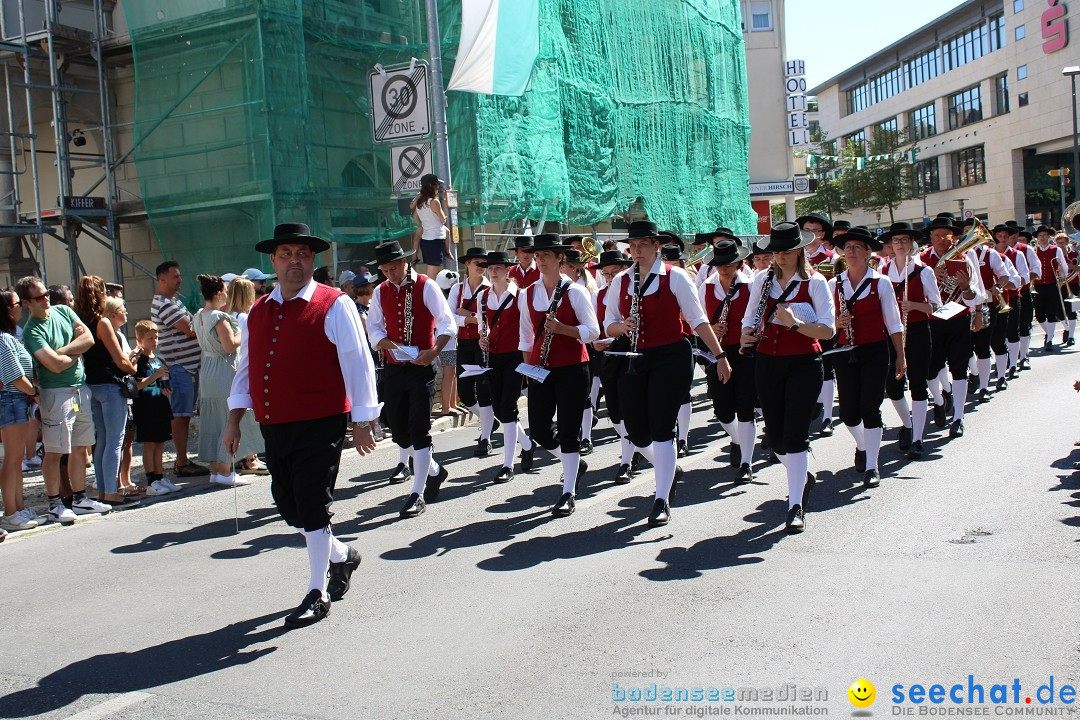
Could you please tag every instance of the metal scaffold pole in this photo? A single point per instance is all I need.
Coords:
(442, 146)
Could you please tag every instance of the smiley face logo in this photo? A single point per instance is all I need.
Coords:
(862, 693)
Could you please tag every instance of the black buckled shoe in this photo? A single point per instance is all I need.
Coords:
(434, 484)
(1048, 346)
(313, 609)
(872, 478)
(860, 461)
(1069, 340)
(735, 454)
(940, 418)
(623, 475)
(401, 474)
(341, 574)
(586, 447)
(527, 458)
(661, 513)
(915, 452)
(811, 481)
(826, 428)
(505, 475)
(1011, 374)
(796, 520)
(957, 429)
(1002, 384)
(675, 481)
(683, 449)
(904, 440)
(1025, 364)
(565, 506)
(414, 505)
(483, 448)
(982, 395)
(745, 474)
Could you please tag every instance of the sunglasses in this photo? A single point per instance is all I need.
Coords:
(45, 296)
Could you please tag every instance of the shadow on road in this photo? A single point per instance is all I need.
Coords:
(1069, 482)
(123, 672)
(217, 529)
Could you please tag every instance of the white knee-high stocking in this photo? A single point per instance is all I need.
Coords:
(664, 457)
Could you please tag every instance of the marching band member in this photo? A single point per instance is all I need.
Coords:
(525, 272)
(473, 391)
(650, 310)
(701, 240)
(611, 263)
(408, 310)
(820, 253)
(574, 268)
(1073, 285)
(558, 319)
(994, 275)
(674, 256)
(1049, 302)
(1016, 261)
(788, 354)
(499, 336)
(821, 226)
(761, 261)
(867, 321)
(950, 340)
(1017, 238)
(917, 296)
(724, 296)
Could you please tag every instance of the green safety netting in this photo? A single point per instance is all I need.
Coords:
(254, 112)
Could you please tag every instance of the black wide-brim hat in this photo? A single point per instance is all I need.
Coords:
(668, 237)
(859, 234)
(901, 228)
(672, 253)
(473, 253)
(825, 220)
(390, 251)
(614, 257)
(642, 229)
(1002, 227)
(703, 238)
(572, 256)
(292, 234)
(943, 221)
(498, 257)
(839, 227)
(1045, 229)
(785, 236)
(548, 241)
(524, 242)
(727, 252)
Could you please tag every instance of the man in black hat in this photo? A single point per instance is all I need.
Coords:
(1020, 241)
(525, 273)
(1016, 263)
(464, 301)
(303, 390)
(1049, 298)
(821, 226)
(411, 322)
(610, 264)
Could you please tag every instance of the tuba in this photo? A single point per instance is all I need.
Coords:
(591, 252)
(977, 235)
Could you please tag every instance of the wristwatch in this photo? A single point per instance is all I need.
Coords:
(795, 326)
(721, 356)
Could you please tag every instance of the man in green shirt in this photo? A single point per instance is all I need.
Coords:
(56, 338)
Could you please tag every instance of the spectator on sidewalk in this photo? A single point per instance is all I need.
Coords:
(241, 293)
(258, 278)
(118, 317)
(153, 414)
(56, 338)
(179, 349)
(17, 397)
(106, 366)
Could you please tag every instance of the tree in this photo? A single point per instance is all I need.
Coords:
(830, 196)
(886, 178)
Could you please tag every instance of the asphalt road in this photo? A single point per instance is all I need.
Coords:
(487, 607)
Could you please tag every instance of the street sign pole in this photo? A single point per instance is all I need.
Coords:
(442, 147)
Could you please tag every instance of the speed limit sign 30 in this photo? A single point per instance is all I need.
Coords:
(399, 102)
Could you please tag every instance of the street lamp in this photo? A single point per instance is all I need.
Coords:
(1072, 71)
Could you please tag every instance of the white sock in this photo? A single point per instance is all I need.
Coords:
(946, 379)
(959, 398)
(684, 422)
(569, 469)
(510, 443)
(646, 452)
(318, 553)
(421, 465)
(973, 368)
(935, 390)
(1072, 328)
(825, 397)
(798, 464)
(523, 438)
(984, 372)
(859, 433)
(663, 467)
(586, 424)
(1048, 328)
(339, 551)
(626, 451)
(474, 409)
(1014, 353)
(747, 438)
(1001, 363)
(487, 421)
(903, 410)
(783, 459)
(594, 393)
(403, 455)
(918, 419)
(1025, 343)
(873, 447)
(732, 433)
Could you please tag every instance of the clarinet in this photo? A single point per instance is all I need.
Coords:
(484, 332)
(545, 347)
(635, 312)
(408, 313)
(759, 313)
(842, 302)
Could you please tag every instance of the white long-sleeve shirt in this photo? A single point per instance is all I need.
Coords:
(820, 297)
(929, 282)
(460, 295)
(886, 296)
(345, 330)
(433, 301)
(678, 281)
(581, 300)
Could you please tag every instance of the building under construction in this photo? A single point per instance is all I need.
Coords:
(187, 129)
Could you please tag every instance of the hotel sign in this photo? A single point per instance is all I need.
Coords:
(1055, 27)
(798, 122)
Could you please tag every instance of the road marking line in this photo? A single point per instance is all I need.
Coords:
(111, 706)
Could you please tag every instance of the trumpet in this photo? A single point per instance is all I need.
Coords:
(591, 251)
(831, 269)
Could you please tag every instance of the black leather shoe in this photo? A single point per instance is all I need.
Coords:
(565, 506)
(982, 395)
(1011, 375)
(586, 447)
(434, 484)
(505, 475)
(904, 441)
(915, 452)
(414, 505)
(1025, 364)
(796, 520)
(949, 403)
(400, 475)
(1002, 384)
(675, 482)
(661, 513)
(1048, 346)
(312, 610)
(957, 429)
(872, 478)
(940, 418)
(622, 475)
(582, 467)
(745, 474)
(860, 461)
(811, 481)
(483, 448)
(635, 463)
(527, 458)
(826, 428)
(341, 574)
(683, 450)
(736, 454)
(1071, 340)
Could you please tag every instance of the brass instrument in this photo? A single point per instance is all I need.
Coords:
(829, 270)
(694, 263)
(977, 235)
(591, 252)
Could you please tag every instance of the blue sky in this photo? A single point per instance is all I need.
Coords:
(833, 35)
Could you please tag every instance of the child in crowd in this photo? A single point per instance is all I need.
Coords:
(153, 413)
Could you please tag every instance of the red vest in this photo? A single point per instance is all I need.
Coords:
(736, 310)
(985, 269)
(392, 302)
(1050, 265)
(601, 309)
(661, 319)
(952, 267)
(823, 254)
(779, 340)
(867, 317)
(915, 293)
(565, 350)
(1011, 292)
(467, 332)
(504, 335)
(522, 278)
(293, 371)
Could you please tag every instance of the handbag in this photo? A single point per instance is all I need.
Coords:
(129, 387)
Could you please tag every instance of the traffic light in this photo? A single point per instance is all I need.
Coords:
(1057, 172)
